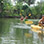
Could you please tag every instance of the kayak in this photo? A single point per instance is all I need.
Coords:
(28, 22)
(37, 28)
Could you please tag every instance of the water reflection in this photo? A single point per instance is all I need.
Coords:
(41, 36)
(28, 35)
(13, 32)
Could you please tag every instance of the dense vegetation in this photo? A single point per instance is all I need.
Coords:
(7, 9)
(38, 10)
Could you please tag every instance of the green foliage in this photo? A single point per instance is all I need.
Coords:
(7, 9)
(38, 10)
(42, 10)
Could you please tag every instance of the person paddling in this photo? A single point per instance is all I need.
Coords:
(26, 18)
(41, 21)
(23, 19)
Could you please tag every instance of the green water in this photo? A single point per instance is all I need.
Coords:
(21, 34)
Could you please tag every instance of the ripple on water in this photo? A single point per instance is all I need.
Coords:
(8, 40)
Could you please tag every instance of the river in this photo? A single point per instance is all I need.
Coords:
(14, 32)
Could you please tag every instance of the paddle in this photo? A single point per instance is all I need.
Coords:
(42, 29)
(28, 22)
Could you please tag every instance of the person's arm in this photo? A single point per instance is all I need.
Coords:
(40, 21)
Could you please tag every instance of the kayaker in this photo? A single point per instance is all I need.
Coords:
(41, 21)
(26, 17)
(22, 18)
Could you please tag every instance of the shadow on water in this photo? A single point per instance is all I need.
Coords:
(1, 26)
(13, 32)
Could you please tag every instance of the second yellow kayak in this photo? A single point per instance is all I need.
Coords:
(36, 28)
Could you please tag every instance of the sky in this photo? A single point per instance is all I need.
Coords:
(31, 5)
(37, 1)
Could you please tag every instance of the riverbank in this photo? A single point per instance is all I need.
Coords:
(10, 17)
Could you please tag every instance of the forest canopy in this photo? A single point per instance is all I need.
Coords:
(22, 7)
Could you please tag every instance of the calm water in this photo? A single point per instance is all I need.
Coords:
(13, 32)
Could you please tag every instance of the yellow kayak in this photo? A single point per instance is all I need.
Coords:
(28, 22)
(36, 28)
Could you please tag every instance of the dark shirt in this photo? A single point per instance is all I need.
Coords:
(42, 22)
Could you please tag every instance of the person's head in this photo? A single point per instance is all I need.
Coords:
(26, 17)
(43, 16)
